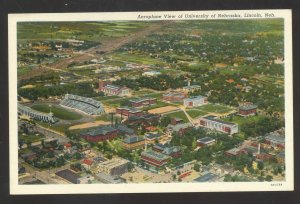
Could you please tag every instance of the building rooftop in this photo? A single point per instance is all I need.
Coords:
(195, 98)
(213, 118)
(247, 107)
(275, 138)
(137, 100)
(115, 162)
(125, 129)
(191, 87)
(130, 109)
(206, 140)
(68, 175)
(103, 130)
(206, 178)
(179, 126)
(132, 139)
(152, 135)
(155, 155)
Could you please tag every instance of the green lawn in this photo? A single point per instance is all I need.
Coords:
(179, 114)
(213, 108)
(196, 113)
(241, 120)
(58, 112)
(30, 138)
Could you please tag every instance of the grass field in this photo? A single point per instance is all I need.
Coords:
(58, 112)
(30, 138)
(179, 114)
(195, 113)
(241, 120)
(157, 105)
(213, 108)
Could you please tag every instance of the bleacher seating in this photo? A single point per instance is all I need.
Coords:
(86, 105)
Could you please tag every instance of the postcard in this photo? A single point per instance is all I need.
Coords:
(135, 102)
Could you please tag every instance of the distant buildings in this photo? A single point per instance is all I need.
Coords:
(141, 102)
(191, 88)
(195, 101)
(114, 167)
(87, 105)
(146, 120)
(155, 159)
(133, 142)
(174, 96)
(247, 109)
(99, 134)
(206, 141)
(212, 123)
(129, 111)
(113, 90)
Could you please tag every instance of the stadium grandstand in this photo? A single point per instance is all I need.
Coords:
(86, 105)
(33, 114)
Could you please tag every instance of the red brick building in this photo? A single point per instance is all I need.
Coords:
(247, 109)
(141, 102)
(128, 111)
(174, 96)
(100, 134)
(155, 158)
(113, 90)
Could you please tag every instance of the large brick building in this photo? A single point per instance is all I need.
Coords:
(212, 122)
(100, 134)
(155, 158)
(129, 111)
(195, 101)
(141, 102)
(133, 142)
(113, 167)
(113, 90)
(174, 96)
(247, 109)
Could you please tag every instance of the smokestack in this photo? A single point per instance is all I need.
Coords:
(189, 83)
(112, 119)
(258, 151)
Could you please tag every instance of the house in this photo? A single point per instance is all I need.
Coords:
(206, 141)
(247, 109)
(87, 163)
(195, 101)
(113, 90)
(155, 159)
(131, 142)
(212, 123)
(99, 134)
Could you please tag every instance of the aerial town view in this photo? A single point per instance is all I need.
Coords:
(174, 101)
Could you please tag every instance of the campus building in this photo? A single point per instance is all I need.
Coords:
(172, 151)
(129, 111)
(212, 123)
(86, 105)
(141, 102)
(100, 134)
(174, 96)
(206, 141)
(113, 90)
(180, 128)
(275, 140)
(146, 120)
(247, 109)
(155, 158)
(195, 101)
(151, 73)
(114, 167)
(133, 142)
(33, 114)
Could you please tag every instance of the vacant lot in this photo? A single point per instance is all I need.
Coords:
(89, 124)
(164, 109)
(58, 112)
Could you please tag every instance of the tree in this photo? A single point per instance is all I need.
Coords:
(130, 166)
(165, 121)
(197, 167)
(269, 178)
(260, 165)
